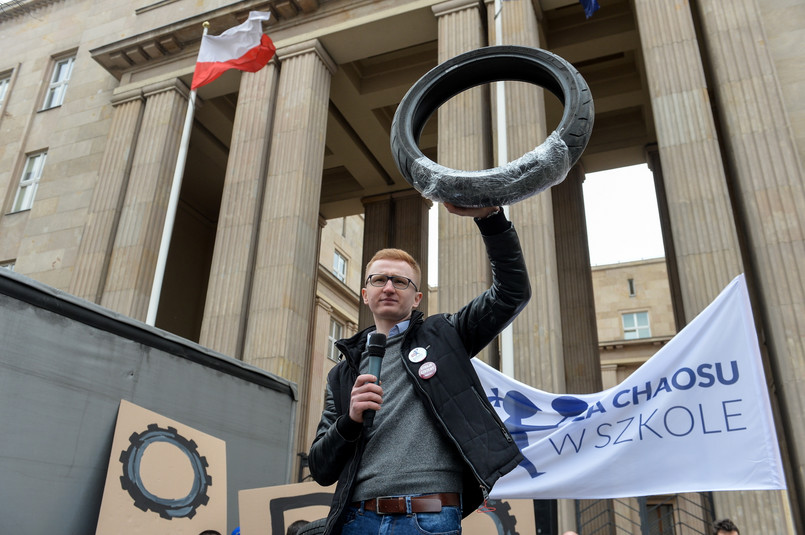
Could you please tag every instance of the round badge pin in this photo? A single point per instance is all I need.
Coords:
(417, 354)
(427, 370)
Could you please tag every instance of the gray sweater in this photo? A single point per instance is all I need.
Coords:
(406, 453)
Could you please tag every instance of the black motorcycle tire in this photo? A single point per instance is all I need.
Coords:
(314, 528)
(496, 186)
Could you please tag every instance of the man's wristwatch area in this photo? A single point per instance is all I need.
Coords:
(494, 223)
(494, 212)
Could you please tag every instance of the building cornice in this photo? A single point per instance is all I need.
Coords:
(656, 341)
(176, 39)
(16, 8)
(631, 263)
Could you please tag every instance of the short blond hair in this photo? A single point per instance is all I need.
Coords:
(396, 254)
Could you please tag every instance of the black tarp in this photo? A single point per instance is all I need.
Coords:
(65, 364)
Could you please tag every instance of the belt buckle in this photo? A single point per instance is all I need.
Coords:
(377, 504)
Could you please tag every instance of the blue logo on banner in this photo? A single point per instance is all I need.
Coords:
(519, 408)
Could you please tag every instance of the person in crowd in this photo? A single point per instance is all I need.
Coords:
(435, 446)
(725, 527)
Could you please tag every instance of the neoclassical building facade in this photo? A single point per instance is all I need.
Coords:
(708, 93)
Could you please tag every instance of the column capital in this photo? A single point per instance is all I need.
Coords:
(306, 47)
(396, 195)
(171, 84)
(127, 96)
(375, 198)
(534, 3)
(652, 153)
(404, 194)
(324, 305)
(452, 6)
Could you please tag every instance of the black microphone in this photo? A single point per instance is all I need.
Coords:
(376, 347)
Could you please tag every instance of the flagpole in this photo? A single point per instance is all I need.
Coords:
(173, 204)
(507, 336)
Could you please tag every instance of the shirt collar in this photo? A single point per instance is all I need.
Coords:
(397, 329)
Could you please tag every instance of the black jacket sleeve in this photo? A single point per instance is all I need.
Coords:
(337, 437)
(483, 318)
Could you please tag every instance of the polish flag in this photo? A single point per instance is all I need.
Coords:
(244, 47)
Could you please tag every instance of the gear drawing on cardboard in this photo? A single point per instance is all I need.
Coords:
(132, 481)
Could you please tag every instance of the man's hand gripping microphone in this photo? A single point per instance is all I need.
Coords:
(376, 348)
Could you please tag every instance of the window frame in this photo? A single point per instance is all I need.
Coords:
(58, 86)
(638, 327)
(332, 337)
(5, 87)
(27, 187)
(662, 520)
(340, 272)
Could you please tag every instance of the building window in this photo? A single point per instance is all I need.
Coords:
(661, 519)
(7, 265)
(29, 181)
(5, 81)
(630, 285)
(635, 325)
(336, 333)
(58, 83)
(340, 266)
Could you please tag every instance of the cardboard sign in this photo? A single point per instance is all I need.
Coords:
(163, 477)
(270, 510)
(511, 517)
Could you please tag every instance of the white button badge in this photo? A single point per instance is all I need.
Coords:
(417, 354)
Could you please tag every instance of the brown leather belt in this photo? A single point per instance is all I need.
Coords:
(430, 503)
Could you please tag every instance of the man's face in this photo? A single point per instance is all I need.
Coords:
(387, 303)
(722, 532)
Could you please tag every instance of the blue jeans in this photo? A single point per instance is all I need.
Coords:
(362, 522)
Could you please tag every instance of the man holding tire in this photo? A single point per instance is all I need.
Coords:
(435, 446)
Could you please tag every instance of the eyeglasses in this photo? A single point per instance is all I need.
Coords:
(399, 283)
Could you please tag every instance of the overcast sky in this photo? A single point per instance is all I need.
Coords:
(622, 220)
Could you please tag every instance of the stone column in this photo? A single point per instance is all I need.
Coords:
(609, 375)
(286, 262)
(317, 373)
(224, 319)
(766, 165)
(464, 142)
(579, 334)
(314, 378)
(537, 331)
(582, 361)
(671, 265)
(701, 216)
(131, 269)
(397, 220)
(699, 207)
(103, 215)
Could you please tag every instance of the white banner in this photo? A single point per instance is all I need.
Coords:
(694, 417)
